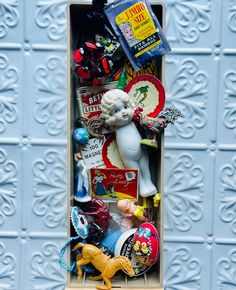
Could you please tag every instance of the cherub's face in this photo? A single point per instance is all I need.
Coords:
(125, 205)
(121, 112)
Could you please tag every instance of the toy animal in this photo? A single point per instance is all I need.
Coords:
(106, 265)
(155, 125)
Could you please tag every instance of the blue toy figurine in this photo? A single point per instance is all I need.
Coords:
(81, 179)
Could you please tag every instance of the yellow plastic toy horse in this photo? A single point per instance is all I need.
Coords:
(106, 265)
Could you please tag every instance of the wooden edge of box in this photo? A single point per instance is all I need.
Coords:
(69, 131)
(116, 288)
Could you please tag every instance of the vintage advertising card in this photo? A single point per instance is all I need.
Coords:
(92, 153)
(89, 99)
(114, 183)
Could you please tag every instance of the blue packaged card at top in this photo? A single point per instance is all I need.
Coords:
(138, 30)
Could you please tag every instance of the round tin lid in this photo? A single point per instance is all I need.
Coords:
(148, 93)
(110, 153)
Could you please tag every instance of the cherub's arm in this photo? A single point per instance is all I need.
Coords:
(126, 214)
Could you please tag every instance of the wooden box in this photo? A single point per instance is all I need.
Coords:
(154, 278)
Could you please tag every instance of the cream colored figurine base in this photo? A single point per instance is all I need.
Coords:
(152, 279)
(135, 284)
(127, 288)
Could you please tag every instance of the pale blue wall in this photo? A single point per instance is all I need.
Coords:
(200, 158)
(200, 168)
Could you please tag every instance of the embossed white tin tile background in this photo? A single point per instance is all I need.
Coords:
(200, 156)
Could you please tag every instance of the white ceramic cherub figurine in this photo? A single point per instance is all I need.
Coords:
(117, 110)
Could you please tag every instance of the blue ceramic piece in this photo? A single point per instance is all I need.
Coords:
(81, 136)
(79, 222)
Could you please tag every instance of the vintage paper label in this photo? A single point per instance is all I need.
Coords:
(89, 99)
(138, 28)
(92, 153)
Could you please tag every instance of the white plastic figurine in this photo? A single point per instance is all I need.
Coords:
(82, 186)
(118, 110)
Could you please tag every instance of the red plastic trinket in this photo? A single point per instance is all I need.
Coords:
(82, 73)
(146, 244)
(78, 56)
